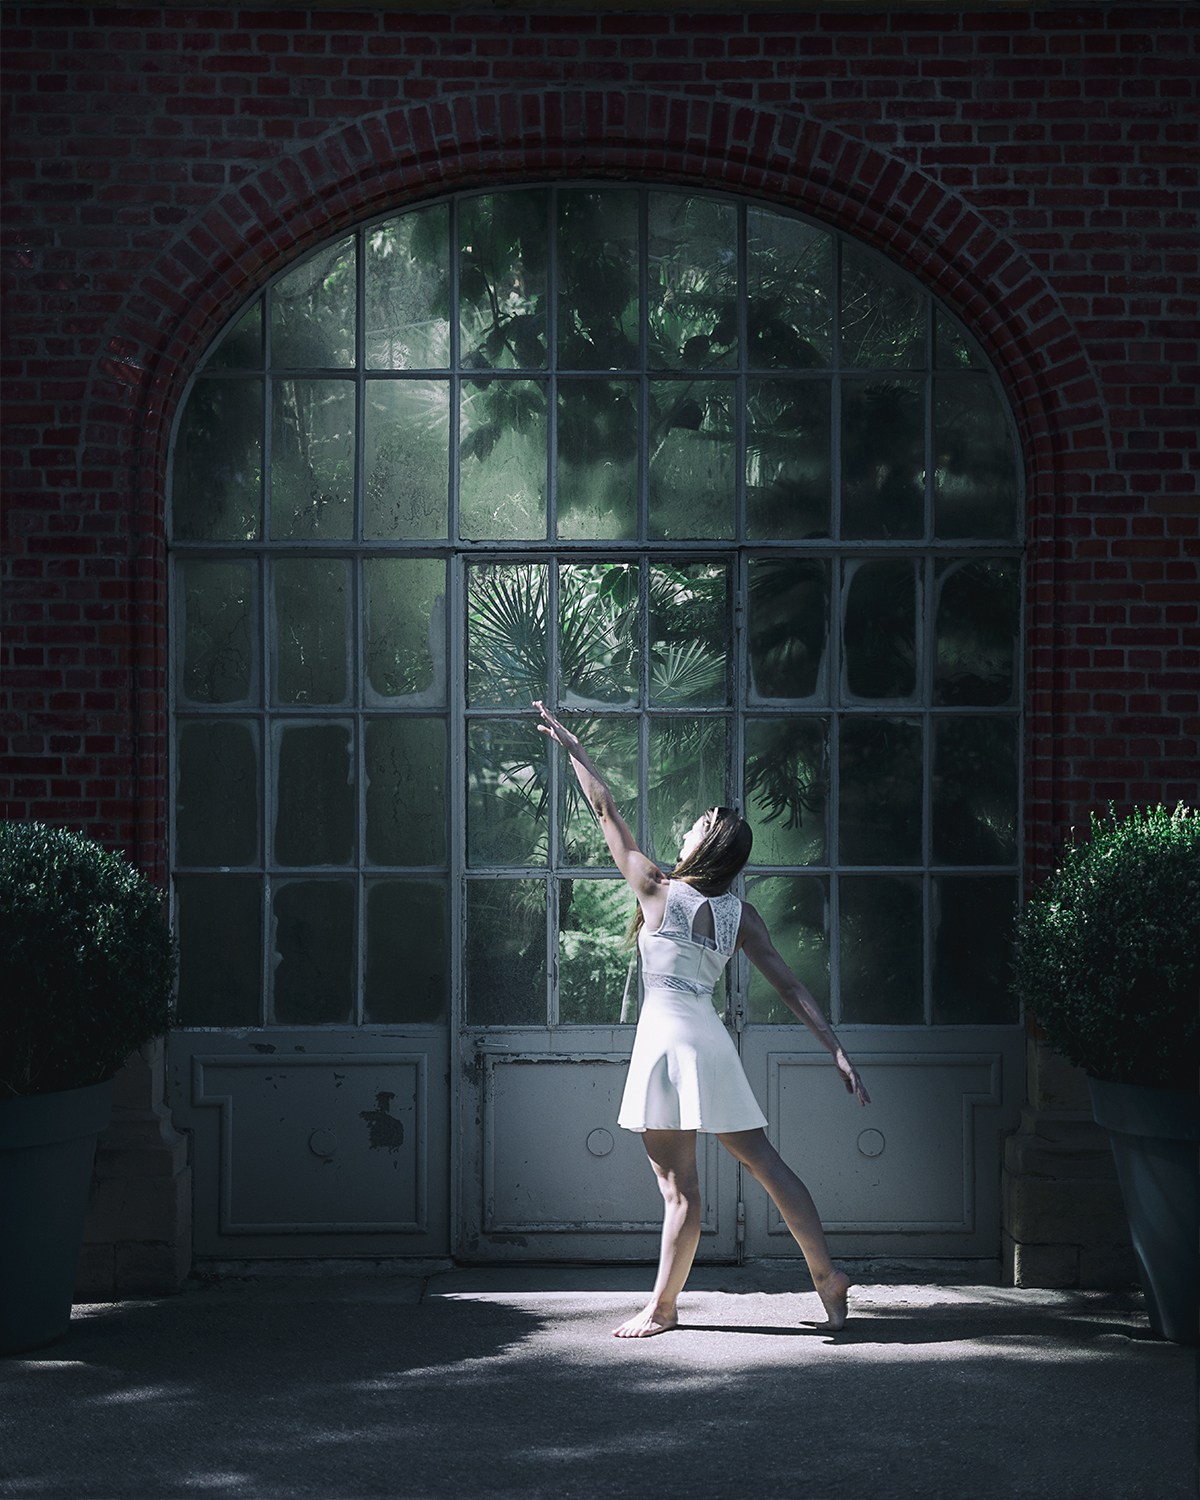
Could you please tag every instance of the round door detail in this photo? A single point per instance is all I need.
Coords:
(871, 1143)
(323, 1143)
(600, 1142)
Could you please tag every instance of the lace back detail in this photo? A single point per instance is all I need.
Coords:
(682, 903)
(727, 919)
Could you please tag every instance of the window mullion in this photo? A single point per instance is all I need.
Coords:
(552, 365)
(924, 679)
(455, 379)
(555, 769)
(643, 462)
(456, 675)
(739, 421)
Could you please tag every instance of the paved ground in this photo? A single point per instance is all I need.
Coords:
(507, 1384)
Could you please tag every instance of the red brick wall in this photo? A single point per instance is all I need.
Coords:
(1037, 169)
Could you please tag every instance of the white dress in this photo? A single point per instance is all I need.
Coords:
(685, 1073)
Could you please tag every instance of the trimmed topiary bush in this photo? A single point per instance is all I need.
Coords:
(1108, 951)
(89, 961)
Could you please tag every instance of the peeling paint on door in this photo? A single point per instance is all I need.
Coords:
(387, 1133)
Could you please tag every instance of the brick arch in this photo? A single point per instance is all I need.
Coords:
(403, 156)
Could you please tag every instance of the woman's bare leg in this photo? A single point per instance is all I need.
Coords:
(799, 1213)
(672, 1154)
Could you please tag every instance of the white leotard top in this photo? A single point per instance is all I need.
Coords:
(673, 958)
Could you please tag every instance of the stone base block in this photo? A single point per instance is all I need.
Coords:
(1107, 1267)
(1067, 1211)
(1048, 1266)
(142, 1268)
(97, 1273)
(1063, 1219)
(138, 1232)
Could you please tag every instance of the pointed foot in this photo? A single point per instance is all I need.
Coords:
(834, 1293)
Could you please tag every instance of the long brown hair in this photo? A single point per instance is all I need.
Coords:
(714, 863)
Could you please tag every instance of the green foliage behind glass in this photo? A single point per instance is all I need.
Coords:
(1108, 950)
(89, 961)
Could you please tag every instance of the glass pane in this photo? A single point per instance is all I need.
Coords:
(407, 976)
(312, 926)
(692, 282)
(506, 635)
(687, 777)
(406, 469)
(598, 634)
(312, 312)
(787, 458)
(880, 812)
(312, 459)
(689, 634)
(883, 314)
(975, 489)
(241, 348)
(882, 967)
(879, 635)
(978, 631)
(593, 959)
(506, 953)
(613, 746)
(691, 437)
(502, 280)
(975, 791)
(598, 279)
(789, 628)
(954, 350)
(216, 797)
(406, 791)
(405, 608)
(216, 491)
(314, 795)
(218, 632)
(507, 793)
(502, 460)
(597, 459)
(219, 924)
(787, 776)
(789, 293)
(310, 630)
(972, 950)
(883, 459)
(796, 912)
(407, 283)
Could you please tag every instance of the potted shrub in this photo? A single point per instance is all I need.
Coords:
(1108, 961)
(89, 967)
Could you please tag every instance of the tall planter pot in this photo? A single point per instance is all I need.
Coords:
(1155, 1137)
(47, 1147)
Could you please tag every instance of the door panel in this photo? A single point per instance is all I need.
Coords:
(552, 1176)
(313, 1143)
(916, 1173)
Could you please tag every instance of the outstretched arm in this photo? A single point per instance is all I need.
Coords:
(645, 877)
(762, 953)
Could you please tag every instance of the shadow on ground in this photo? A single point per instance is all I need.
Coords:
(419, 1390)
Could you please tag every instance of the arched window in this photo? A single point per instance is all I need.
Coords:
(721, 482)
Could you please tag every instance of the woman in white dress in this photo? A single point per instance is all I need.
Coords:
(685, 1075)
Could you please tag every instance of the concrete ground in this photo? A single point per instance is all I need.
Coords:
(506, 1383)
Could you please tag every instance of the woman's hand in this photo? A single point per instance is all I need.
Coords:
(854, 1084)
(557, 732)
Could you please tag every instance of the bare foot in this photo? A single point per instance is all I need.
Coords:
(649, 1321)
(833, 1292)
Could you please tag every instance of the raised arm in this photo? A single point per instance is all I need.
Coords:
(754, 938)
(646, 879)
